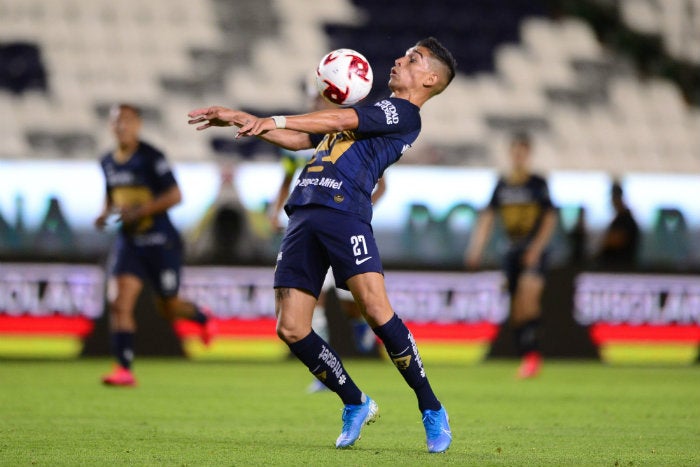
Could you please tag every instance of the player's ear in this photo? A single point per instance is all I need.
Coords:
(431, 80)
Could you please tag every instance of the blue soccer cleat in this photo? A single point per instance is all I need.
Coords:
(437, 430)
(354, 418)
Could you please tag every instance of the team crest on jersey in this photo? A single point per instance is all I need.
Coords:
(339, 198)
(402, 362)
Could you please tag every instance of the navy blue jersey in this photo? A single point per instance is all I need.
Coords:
(521, 206)
(137, 181)
(346, 165)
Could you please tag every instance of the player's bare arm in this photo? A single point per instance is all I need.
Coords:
(481, 233)
(225, 117)
(318, 122)
(218, 116)
(101, 219)
(294, 135)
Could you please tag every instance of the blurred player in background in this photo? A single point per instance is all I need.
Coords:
(292, 161)
(521, 200)
(330, 210)
(140, 190)
(620, 242)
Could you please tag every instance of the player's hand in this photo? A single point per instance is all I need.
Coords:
(212, 116)
(131, 215)
(274, 222)
(255, 126)
(101, 221)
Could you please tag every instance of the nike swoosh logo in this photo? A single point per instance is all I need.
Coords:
(360, 261)
(399, 353)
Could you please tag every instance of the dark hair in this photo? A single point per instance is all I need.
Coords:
(441, 53)
(127, 106)
(521, 138)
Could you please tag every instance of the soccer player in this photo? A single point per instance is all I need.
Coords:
(521, 200)
(330, 211)
(292, 161)
(140, 188)
(363, 336)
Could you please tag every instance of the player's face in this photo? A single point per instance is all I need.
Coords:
(520, 156)
(126, 125)
(411, 70)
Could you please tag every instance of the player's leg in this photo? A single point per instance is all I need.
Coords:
(525, 316)
(124, 292)
(302, 264)
(319, 323)
(370, 292)
(164, 266)
(173, 308)
(294, 309)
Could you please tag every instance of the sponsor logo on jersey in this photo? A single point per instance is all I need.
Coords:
(392, 116)
(117, 178)
(325, 182)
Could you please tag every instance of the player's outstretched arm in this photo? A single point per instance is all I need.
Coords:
(224, 117)
(318, 122)
(218, 116)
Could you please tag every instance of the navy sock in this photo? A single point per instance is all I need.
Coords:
(199, 316)
(325, 364)
(403, 351)
(526, 339)
(123, 347)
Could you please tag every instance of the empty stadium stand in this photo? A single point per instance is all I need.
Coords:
(520, 68)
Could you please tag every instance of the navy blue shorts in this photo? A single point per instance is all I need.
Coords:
(159, 263)
(318, 237)
(513, 266)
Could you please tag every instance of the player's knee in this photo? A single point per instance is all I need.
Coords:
(118, 308)
(290, 335)
(525, 310)
(376, 314)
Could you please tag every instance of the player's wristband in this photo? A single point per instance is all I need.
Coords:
(280, 121)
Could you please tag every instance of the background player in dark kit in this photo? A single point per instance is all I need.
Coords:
(521, 201)
(140, 188)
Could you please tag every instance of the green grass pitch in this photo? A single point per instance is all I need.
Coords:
(252, 414)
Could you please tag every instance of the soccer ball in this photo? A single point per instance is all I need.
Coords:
(344, 77)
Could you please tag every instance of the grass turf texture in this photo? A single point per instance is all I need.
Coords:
(238, 414)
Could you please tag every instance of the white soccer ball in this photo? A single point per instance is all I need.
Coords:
(344, 77)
